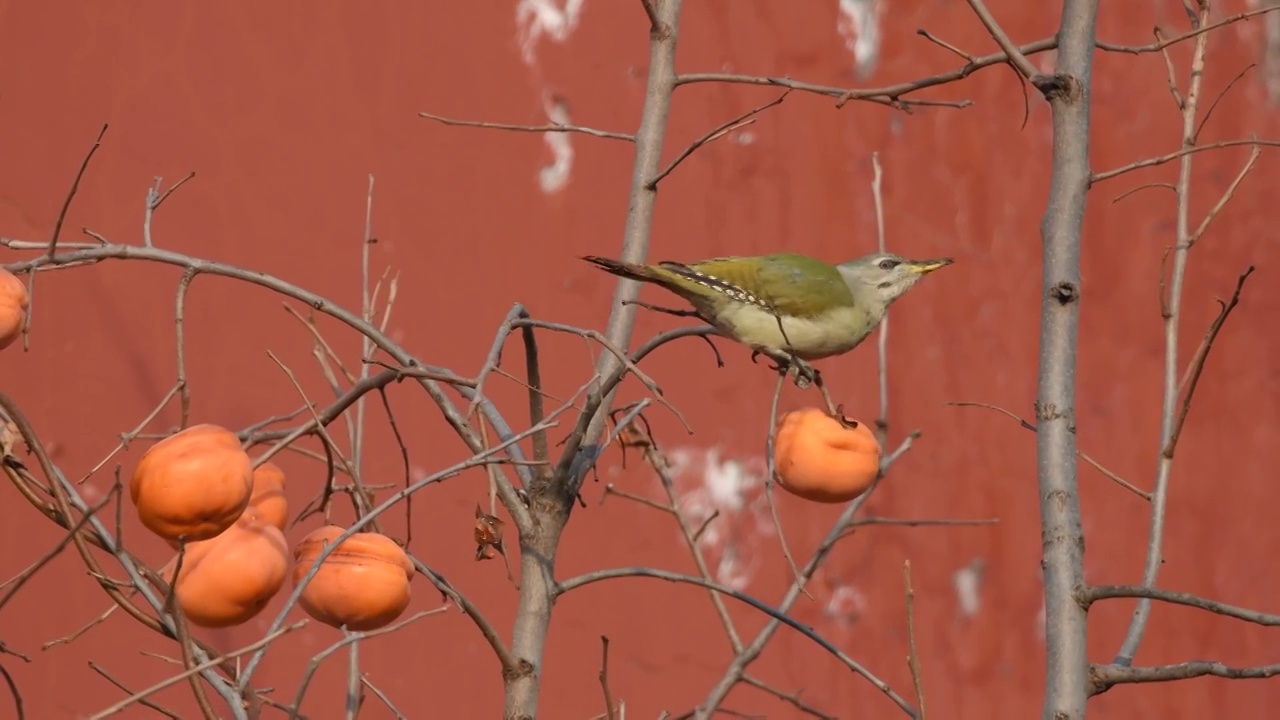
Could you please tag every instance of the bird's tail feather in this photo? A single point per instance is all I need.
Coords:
(656, 274)
(632, 271)
(671, 276)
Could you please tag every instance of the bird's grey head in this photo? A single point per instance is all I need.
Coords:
(886, 276)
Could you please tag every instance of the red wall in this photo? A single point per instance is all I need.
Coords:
(284, 109)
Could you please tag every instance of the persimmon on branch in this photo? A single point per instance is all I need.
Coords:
(412, 369)
(60, 501)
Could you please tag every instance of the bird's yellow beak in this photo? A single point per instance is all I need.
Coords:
(923, 267)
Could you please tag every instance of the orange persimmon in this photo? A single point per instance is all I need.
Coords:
(13, 307)
(229, 579)
(363, 584)
(824, 458)
(268, 494)
(192, 485)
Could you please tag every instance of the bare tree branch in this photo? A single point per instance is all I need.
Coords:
(550, 128)
(777, 615)
(450, 411)
(715, 133)
(1096, 465)
(893, 94)
(1171, 305)
(1169, 157)
(1016, 59)
(553, 495)
(1104, 677)
(1109, 592)
(1062, 538)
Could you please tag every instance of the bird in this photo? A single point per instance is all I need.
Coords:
(791, 307)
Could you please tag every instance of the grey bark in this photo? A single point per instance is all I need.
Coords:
(1062, 559)
(551, 502)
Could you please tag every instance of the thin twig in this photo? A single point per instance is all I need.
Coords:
(357, 429)
(175, 679)
(135, 433)
(1221, 94)
(1144, 186)
(1226, 196)
(913, 653)
(856, 523)
(660, 464)
(1109, 592)
(350, 638)
(893, 95)
(155, 198)
(57, 231)
(141, 701)
(551, 128)
(737, 668)
(715, 133)
(392, 500)
(13, 690)
(1017, 60)
(533, 378)
(617, 353)
(882, 342)
(791, 698)
(1198, 360)
(179, 326)
(1104, 677)
(429, 377)
(404, 461)
(361, 498)
(1180, 153)
(774, 613)
(1080, 454)
(381, 696)
(944, 45)
(604, 678)
(771, 474)
(353, 676)
(75, 185)
(1171, 302)
(15, 583)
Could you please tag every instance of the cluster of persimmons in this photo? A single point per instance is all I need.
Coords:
(200, 488)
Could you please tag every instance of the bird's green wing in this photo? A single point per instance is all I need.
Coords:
(787, 283)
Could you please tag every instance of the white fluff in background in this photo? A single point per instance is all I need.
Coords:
(859, 24)
(552, 19)
(706, 483)
(554, 177)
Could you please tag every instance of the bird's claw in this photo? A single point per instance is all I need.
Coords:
(806, 374)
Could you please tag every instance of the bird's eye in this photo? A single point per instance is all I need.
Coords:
(888, 264)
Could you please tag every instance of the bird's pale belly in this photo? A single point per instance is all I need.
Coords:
(837, 332)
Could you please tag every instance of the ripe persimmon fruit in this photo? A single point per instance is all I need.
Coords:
(192, 485)
(363, 584)
(824, 458)
(13, 307)
(229, 579)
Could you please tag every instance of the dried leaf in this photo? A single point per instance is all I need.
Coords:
(488, 535)
(8, 438)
